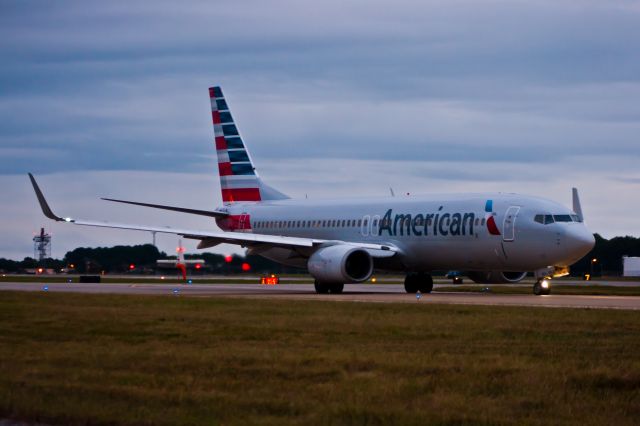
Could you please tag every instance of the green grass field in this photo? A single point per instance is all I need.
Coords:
(107, 359)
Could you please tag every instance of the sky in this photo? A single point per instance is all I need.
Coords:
(333, 99)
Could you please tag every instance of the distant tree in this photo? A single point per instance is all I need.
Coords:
(608, 255)
(113, 259)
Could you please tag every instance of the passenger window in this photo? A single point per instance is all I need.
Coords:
(366, 221)
(375, 222)
(359, 222)
(539, 218)
(482, 222)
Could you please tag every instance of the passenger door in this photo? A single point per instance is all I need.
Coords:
(509, 226)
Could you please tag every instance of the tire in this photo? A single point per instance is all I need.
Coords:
(336, 288)
(538, 290)
(426, 283)
(411, 283)
(321, 288)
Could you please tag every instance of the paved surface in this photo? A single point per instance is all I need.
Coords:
(353, 293)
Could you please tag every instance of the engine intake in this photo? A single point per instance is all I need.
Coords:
(340, 264)
(496, 277)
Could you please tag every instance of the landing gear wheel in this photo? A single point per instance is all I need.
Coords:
(336, 288)
(325, 288)
(542, 287)
(321, 288)
(426, 283)
(418, 282)
(411, 283)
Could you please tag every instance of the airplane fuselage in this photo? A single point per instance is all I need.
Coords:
(471, 232)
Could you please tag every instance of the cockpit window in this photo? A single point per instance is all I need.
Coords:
(546, 219)
(562, 218)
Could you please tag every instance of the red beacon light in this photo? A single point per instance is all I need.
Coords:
(198, 266)
(228, 258)
(132, 267)
(246, 267)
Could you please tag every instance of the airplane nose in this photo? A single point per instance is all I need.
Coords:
(579, 240)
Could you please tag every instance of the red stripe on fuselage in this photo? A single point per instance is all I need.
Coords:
(240, 194)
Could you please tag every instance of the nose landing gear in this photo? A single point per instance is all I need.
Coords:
(542, 287)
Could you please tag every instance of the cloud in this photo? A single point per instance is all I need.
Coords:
(494, 94)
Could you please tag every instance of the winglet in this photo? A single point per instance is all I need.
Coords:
(577, 208)
(43, 202)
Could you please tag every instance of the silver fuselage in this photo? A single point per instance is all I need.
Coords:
(431, 232)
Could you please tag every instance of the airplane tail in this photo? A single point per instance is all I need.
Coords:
(238, 177)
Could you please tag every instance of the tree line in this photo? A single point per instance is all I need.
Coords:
(139, 258)
(604, 259)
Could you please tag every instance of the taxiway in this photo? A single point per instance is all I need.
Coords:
(353, 293)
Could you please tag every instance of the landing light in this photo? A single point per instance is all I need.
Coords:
(67, 219)
(545, 284)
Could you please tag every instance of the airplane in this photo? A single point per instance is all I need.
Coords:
(493, 237)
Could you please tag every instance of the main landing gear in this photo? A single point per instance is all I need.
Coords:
(325, 288)
(542, 286)
(418, 282)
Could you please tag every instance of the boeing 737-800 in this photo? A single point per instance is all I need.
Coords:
(493, 237)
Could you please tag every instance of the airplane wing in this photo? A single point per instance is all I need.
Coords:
(172, 208)
(210, 239)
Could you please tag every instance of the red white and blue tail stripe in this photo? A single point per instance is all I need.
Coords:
(238, 177)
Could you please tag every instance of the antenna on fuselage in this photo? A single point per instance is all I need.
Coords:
(392, 193)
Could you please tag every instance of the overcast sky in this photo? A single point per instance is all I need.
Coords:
(333, 99)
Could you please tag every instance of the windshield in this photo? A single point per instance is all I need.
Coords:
(546, 219)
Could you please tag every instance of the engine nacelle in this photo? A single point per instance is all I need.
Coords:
(496, 277)
(340, 263)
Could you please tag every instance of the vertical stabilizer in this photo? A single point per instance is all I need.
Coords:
(238, 177)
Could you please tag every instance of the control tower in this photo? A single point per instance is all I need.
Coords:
(42, 246)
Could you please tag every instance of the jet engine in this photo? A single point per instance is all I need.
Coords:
(340, 263)
(496, 277)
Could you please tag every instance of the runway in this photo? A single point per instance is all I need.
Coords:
(389, 293)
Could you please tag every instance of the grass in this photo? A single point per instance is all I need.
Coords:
(109, 359)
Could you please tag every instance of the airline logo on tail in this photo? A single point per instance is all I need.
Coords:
(238, 179)
(491, 222)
